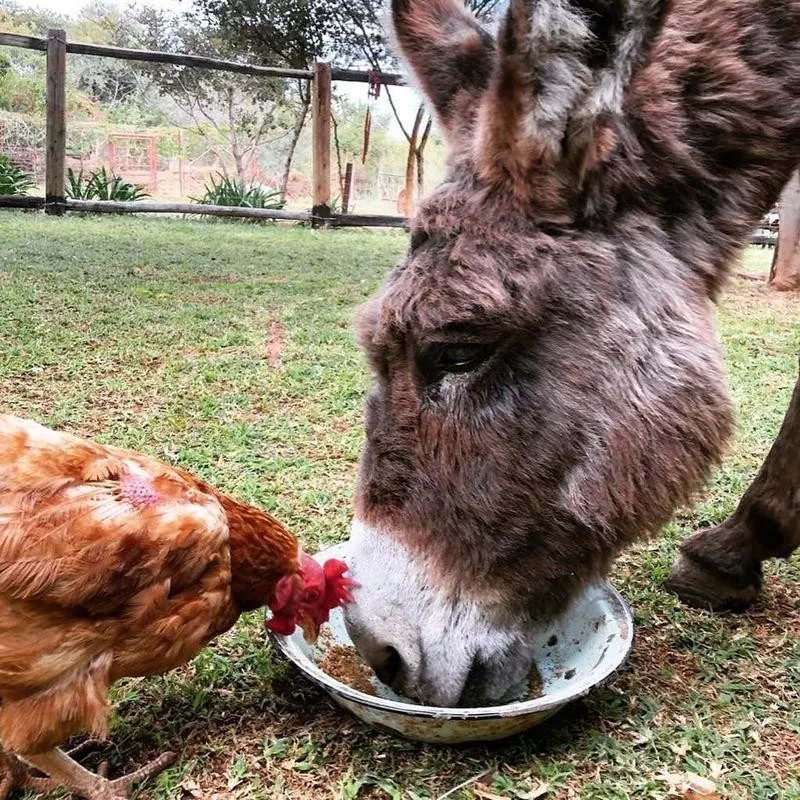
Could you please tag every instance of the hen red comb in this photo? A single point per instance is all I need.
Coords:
(337, 587)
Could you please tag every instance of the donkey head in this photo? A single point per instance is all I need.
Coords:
(547, 381)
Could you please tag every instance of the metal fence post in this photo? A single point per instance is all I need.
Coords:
(56, 121)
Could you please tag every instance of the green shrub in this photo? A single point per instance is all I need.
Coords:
(102, 185)
(225, 191)
(13, 179)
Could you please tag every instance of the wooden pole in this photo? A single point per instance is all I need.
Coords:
(347, 189)
(321, 129)
(56, 121)
(785, 273)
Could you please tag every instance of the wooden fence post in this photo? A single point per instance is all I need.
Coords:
(56, 121)
(321, 128)
(347, 189)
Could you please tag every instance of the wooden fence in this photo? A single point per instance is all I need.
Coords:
(56, 47)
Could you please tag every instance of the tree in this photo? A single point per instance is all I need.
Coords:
(108, 82)
(360, 24)
(234, 114)
(288, 33)
(91, 82)
(15, 18)
(296, 33)
(785, 273)
(22, 77)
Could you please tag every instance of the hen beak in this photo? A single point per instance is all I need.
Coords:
(309, 627)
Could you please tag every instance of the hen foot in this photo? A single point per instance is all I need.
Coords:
(124, 784)
(67, 772)
(84, 747)
(16, 775)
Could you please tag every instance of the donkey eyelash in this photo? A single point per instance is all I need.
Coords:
(454, 358)
(418, 239)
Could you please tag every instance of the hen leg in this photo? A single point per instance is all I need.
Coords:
(156, 766)
(61, 768)
(16, 775)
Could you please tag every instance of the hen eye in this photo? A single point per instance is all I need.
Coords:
(460, 357)
(311, 596)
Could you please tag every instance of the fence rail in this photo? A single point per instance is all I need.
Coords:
(56, 47)
(146, 207)
(202, 62)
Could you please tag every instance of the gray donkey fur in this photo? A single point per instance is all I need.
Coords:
(548, 381)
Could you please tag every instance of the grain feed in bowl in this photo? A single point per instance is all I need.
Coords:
(345, 665)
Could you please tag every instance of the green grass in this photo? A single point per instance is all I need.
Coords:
(229, 350)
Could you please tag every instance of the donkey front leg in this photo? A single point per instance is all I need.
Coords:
(720, 568)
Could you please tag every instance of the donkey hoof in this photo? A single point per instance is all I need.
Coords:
(698, 586)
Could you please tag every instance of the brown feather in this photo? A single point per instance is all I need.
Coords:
(95, 586)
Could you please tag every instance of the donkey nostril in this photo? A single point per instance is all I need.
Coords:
(387, 665)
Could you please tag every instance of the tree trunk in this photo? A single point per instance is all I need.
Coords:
(241, 171)
(785, 274)
(297, 131)
(720, 568)
(423, 142)
(236, 150)
(409, 199)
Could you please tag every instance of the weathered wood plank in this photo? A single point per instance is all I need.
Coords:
(359, 76)
(347, 189)
(146, 207)
(367, 221)
(56, 120)
(187, 60)
(17, 201)
(321, 134)
(25, 42)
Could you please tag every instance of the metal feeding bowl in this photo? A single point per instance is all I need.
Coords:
(576, 653)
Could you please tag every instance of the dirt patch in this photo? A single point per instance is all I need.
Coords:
(276, 346)
(779, 748)
(346, 666)
(759, 294)
(665, 668)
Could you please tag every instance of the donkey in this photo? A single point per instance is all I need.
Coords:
(548, 385)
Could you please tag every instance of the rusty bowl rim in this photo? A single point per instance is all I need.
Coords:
(621, 613)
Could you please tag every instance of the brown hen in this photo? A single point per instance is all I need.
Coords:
(115, 565)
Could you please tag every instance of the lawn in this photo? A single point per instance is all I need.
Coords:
(228, 349)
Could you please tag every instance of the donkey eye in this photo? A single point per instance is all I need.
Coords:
(460, 357)
(418, 239)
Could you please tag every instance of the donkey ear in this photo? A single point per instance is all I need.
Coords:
(555, 108)
(451, 56)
